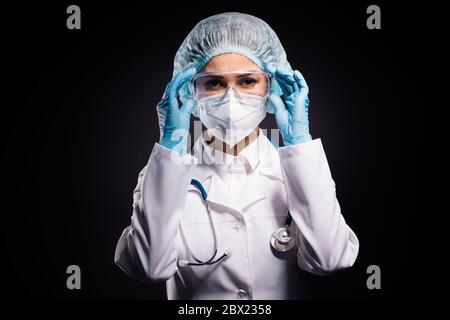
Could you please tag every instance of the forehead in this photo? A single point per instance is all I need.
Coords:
(230, 61)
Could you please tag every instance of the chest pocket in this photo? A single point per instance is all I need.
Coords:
(197, 227)
(196, 210)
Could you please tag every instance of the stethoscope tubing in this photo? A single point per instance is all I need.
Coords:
(211, 260)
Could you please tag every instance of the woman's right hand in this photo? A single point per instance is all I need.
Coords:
(292, 117)
(177, 121)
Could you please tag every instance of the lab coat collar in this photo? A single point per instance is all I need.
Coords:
(260, 155)
(251, 155)
(218, 196)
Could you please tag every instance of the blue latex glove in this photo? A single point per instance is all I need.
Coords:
(292, 118)
(177, 121)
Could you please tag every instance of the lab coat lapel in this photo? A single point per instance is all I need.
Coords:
(218, 194)
(268, 169)
(257, 187)
(254, 192)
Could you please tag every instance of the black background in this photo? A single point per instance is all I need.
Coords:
(78, 123)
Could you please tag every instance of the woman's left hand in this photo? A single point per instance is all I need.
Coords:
(292, 118)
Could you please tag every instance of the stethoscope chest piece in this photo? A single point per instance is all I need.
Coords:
(281, 239)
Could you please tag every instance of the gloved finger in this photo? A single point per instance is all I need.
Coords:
(290, 105)
(272, 69)
(285, 74)
(186, 75)
(278, 105)
(179, 79)
(275, 87)
(286, 86)
(163, 102)
(300, 79)
(279, 72)
(187, 107)
(284, 78)
(307, 104)
(302, 88)
(301, 83)
(171, 89)
(280, 112)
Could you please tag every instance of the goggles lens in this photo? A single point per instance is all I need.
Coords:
(213, 83)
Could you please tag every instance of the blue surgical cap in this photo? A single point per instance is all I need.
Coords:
(230, 32)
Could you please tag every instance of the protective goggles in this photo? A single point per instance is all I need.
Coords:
(215, 83)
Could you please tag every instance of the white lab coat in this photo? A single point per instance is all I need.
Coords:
(295, 178)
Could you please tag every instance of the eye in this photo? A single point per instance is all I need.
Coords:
(214, 84)
(247, 82)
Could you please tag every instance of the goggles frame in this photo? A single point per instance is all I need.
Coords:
(191, 83)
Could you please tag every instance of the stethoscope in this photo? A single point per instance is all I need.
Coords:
(281, 240)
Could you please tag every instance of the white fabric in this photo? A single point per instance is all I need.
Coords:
(245, 215)
(232, 116)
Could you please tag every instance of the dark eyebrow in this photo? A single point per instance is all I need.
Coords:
(215, 76)
(244, 75)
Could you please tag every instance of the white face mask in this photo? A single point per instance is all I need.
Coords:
(231, 116)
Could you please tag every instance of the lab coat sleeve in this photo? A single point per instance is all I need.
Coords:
(146, 249)
(325, 242)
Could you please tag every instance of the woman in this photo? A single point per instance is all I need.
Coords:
(204, 222)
